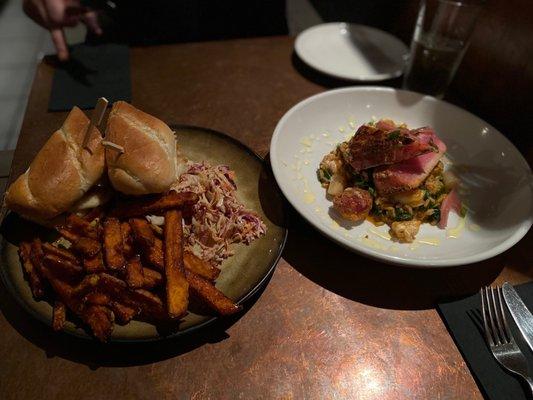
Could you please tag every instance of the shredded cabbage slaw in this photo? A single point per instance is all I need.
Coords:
(219, 219)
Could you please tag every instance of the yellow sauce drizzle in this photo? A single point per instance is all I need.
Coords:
(306, 142)
(429, 241)
(414, 246)
(385, 236)
(371, 243)
(309, 198)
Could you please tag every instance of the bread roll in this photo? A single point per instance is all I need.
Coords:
(148, 164)
(61, 173)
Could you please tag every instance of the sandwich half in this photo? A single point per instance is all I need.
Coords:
(61, 173)
(148, 163)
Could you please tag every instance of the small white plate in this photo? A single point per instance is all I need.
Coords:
(351, 51)
(497, 184)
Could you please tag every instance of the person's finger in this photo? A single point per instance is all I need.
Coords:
(60, 43)
(36, 11)
(70, 20)
(62, 12)
(91, 20)
(75, 8)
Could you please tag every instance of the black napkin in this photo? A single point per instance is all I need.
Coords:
(464, 321)
(92, 72)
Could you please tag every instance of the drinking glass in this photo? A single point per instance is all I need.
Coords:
(441, 37)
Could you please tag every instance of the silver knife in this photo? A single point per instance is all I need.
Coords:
(521, 315)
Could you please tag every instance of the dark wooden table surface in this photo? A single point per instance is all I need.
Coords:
(330, 324)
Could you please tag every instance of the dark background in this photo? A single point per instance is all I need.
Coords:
(495, 80)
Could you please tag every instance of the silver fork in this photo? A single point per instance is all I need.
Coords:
(499, 336)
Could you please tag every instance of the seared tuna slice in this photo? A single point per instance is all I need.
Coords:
(371, 146)
(410, 174)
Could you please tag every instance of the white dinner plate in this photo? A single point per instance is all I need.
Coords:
(496, 181)
(351, 51)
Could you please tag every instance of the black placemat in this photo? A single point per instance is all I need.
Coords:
(92, 72)
(464, 321)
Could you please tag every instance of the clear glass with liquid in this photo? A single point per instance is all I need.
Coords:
(440, 40)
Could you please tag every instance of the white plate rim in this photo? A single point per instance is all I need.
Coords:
(371, 253)
(360, 78)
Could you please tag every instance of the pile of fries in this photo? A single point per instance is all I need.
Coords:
(116, 266)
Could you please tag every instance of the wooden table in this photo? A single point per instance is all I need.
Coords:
(330, 324)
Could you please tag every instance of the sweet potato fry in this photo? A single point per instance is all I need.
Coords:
(154, 256)
(113, 249)
(95, 264)
(123, 314)
(206, 292)
(152, 247)
(111, 285)
(142, 232)
(134, 273)
(63, 290)
(61, 267)
(200, 267)
(67, 234)
(37, 255)
(151, 306)
(151, 278)
(153, 204)
(86, 247)
(177, 288)
(81, 227)
(59, 252)
(158, 231)
(97, 298)
(100, 319)
(97, 212)
(59, 315)
(88, 284)
(127, 240)
(35, 281)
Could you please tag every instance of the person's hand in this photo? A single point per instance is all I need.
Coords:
(54, 15)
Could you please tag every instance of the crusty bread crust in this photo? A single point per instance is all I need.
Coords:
(60, 174)
(148, 164)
